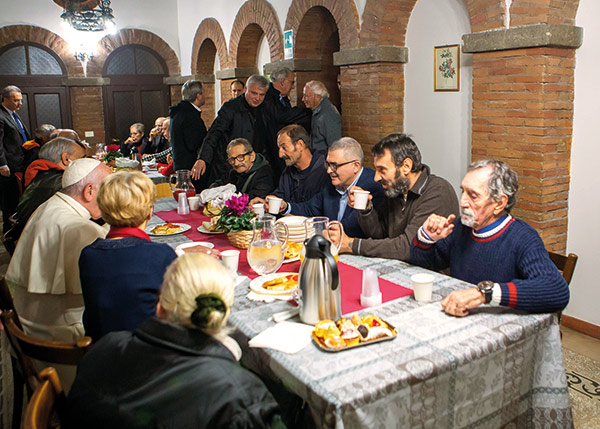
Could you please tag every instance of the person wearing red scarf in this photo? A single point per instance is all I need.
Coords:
(42, 179)
(121, 275)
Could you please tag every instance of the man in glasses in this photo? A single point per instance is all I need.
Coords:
(412, 193)
(344, 164)
(251, 172)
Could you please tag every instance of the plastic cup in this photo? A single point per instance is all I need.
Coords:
(422, 284)
(371, 295)
(231, 259)
(183, 207)
(194, 203)
(361, 199)
(259, 209)
(274, 205)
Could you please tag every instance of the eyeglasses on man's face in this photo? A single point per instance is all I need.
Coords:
(239, 158)
(334, 165)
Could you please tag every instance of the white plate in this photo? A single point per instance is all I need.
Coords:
(184, 228)
(256, 284)
(287, 261)
(179, 249)
(206, 231)
(293, 221)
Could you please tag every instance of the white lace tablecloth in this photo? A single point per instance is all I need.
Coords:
(495, 367)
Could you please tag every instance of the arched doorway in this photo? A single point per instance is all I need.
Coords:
(318, 38)
(38, 72)
(207, 54)
(136, 92)
(247, 50)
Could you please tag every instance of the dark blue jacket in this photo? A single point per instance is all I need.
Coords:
(327, 203)
(120, 282)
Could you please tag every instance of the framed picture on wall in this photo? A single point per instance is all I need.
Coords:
(446, 68)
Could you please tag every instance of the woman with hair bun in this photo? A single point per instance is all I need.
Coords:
(178, 369)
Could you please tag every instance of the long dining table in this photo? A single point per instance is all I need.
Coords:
(493, 368)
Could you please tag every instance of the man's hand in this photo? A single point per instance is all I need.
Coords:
(351, 197)
(198, 169)
(459, 302)
(346, 243)
(282, 208)
(5, 171)
(438, 227)
(257, 200)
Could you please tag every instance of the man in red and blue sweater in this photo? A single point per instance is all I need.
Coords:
(503, 255)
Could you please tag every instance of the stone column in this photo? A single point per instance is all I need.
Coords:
(523, 114)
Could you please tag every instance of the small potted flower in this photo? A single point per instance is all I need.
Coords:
(112, 153)
(235, 219)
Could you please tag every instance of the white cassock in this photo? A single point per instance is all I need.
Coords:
(45, 269)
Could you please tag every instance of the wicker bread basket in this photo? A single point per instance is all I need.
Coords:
(240, 239)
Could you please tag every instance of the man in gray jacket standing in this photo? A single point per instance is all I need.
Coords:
(412, 193)
(326, 121)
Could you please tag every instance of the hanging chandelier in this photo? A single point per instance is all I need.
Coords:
(79, 18)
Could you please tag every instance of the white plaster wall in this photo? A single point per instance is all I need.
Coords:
(156, 16)
(439, 122)
(584, 195)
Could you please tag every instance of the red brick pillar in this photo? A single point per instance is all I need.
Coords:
(87, 107)
(523, 115)
(372, 91)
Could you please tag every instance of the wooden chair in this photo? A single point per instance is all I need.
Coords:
(46, 407)
(26, 348)
(565, 264)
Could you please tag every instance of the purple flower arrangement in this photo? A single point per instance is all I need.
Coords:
(236, 215)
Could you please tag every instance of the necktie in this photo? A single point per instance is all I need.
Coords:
(21, 129)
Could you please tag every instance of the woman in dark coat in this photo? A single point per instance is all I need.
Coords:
(179, 369)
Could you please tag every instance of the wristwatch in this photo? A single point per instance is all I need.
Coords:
(486, 287)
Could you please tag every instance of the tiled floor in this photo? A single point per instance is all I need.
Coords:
(582, 364)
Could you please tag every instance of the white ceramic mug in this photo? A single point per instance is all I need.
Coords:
(361, 199)
(231, 259)
(422, 284)
(194, 203)
(259, 209)
(274, 205)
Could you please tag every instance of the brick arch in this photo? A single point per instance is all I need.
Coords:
(134, 36)
(261, 14)
(31, 33)
(209, 29)
(344, 13)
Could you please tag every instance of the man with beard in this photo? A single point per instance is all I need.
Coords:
(412, 193)
(304, 174)
(503, 255)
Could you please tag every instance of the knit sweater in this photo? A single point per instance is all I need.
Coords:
(511, 254)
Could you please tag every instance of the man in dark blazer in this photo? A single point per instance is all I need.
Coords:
(188, 129)
(344, 165)
(13, 133)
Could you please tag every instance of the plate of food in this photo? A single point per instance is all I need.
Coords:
(210, 227)
(275, 284)
(193, 247)
(345, 334)
(292, 252)
(167, 229)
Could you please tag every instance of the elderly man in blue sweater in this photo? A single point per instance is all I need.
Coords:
(503, 255)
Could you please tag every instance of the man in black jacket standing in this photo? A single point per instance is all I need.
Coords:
(13, 133)
(243, 116)
(188, 129)
(281, 112)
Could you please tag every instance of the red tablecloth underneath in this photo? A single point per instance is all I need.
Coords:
(350, 277)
